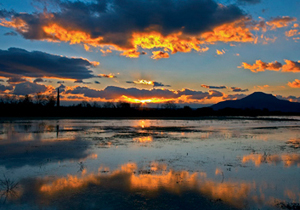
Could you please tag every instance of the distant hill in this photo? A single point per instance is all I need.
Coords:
(259, 100)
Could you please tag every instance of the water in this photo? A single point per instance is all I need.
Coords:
(150, 164)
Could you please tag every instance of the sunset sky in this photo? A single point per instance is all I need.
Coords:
(191, 52)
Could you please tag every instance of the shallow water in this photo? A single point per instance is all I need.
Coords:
(150, 164)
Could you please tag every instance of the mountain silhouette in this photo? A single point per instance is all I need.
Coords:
(259, 100)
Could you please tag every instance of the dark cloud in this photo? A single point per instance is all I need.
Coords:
(116, 20)
(15, 61)
(81, 81)
(159, 84)
(26, 88)
(97, 82)
(60, 82)
(194, 94)
(113, 92)
(15, 80)
(1, 80)
(12, 33)
(62, 87)
(213, 87)
(4, 88)
(236, 89)
(249, 1)
(289, 98)
(38, 80)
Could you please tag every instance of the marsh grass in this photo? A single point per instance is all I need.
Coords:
(7, 189)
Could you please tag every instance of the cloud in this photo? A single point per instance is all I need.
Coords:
(107, 75)
(174, 26)
(60, 82)
(289, 98)
(4, 88)
(15, 80)
(294, 84)
(236, 89)
(249, 1)
(81, 81)
(148, 82)
(213, 87)
(220, 52)
(26, 88)
(62, 87)
(291, 66)
(16, 61)
(97, 82)
(1, 80)
(135, 95)
(113, 92)
(262, 66)
(159, 55)
(280, 22)
(38, 80)
(12, 33)
(131, 53)
(292, 32)
(234, 97)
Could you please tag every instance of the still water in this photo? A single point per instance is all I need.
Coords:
(150, 164)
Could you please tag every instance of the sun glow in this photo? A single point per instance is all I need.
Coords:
(144, 101)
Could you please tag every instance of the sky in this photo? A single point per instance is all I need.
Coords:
(190, 52)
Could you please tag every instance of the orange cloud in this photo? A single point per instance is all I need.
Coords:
(262, 66)
(294, 84)
(72, 36)
(175, 42)
(220, 52)
(131, 53)
(291, 66)
(292, 32)
(229, 32)
(16, 23)
(144, 82)
(107, 75)
(280, 22)
(159, 54)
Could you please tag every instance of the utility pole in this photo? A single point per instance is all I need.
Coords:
(58, 102)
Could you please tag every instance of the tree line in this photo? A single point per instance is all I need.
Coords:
(45, 106)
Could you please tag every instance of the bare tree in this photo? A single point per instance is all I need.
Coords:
(169, 105)
(109, 105)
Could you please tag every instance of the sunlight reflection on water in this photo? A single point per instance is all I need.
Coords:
(149, 164)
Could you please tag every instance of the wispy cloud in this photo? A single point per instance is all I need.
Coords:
(237, 89)
(213, 87)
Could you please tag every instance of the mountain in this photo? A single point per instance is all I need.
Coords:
(259, 100)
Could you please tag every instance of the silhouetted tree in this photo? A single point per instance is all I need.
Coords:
(96, 105)
(109, 105)
(123, 105)
(51, 101)
(85, 104)
(40, 99)
(169, 105)
(27, 100)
